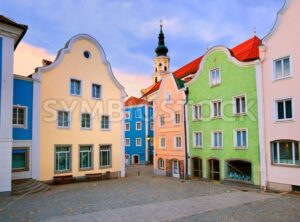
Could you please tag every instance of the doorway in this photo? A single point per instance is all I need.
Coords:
(197, 167)
(135, 159)
(175, 168)
(214, 169)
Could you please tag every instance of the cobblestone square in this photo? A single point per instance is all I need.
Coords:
(142, 197)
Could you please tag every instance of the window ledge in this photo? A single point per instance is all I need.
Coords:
(98, 99)
(63, 171)
(284, 120)
(20, 126)
(198, 147)
(75, 95)
(239, 114)
(217, 148)
(86, 128)
(216, 117)
(105, 167)
(241, 148)
(106, 130)
(285, 165)
(282, 78)
(214, 85)
(86, 169)
(62, 127)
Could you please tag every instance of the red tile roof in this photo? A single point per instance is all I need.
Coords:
(133, 101)
(246, 51)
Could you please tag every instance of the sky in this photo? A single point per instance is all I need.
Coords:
(128, 30)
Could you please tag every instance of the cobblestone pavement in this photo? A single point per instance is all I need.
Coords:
(76, 202)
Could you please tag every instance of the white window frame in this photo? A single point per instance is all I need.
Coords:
(100, 96)
(175, 142)
(213, 111)
(234, 105)
(127, 112)
(69, 119)
(160, 125)
(136, 141)
(194, 139)
(109, 123)
(276, 109)
(128, 127)
(177, 113)
(160, 142)
(91, 122)
(199, 108)
(213, 137)
(68, 160)
(278, 153)
(211, 84)
(127, 141)
(25, 125)
(235, 138)
(274, 68)
(136, 126)
(80, 90)
(161, 163)
(110, 156)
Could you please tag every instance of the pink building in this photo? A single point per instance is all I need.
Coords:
(169, 128)
(280, 118)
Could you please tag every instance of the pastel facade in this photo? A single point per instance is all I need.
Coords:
(138, 131)
(78, 109)
(223, 115)
(169, 134)
(280, 82)
(11, 34)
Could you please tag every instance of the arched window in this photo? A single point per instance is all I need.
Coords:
(165, 68)
(161, 164)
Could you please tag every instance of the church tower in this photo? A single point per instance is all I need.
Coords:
(161, 60)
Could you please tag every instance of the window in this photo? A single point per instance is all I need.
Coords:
(168, 97)
(127, 142)
(138, 126)
(197, 112)
(63, 119)
(216, 109)
(85, 157)
(217, 139)
(86, 121)
(138, 113)
(151, 126)
(105, 122)
(215, 77)
(162, 142)
(177, 142)
(19, 116)
(161, 164)
(239, 105)
(127, 126)
(127, 115)
(62, 158)
(96, 91)
(20, 159)
(241, 138)
(282, 68)
(86, 54)
(162, 121)
(284, 109)
(105, 156)
(138, 142)
(75, 87)
(198, 139)
(286, 152)
(151, 142)
(177, 118)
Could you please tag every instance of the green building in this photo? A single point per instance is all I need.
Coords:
(223, 127)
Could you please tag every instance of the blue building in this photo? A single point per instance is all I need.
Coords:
(138, 131)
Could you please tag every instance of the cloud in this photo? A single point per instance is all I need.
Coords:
(28, 57)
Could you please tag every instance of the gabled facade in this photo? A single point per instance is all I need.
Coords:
(78, 110)
(280, 56)
(138, 131)
(11, 34)
(223, 116)
(169, 135)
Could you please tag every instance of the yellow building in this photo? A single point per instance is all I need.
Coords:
(78, 112)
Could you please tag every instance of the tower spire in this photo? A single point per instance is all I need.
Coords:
(161, 49)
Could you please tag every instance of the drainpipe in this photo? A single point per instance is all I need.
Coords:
(185, 134)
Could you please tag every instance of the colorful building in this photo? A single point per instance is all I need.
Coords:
(223, 115)
(170, 137)
(11, 34)
(280, 56)
(138, 131)
(78, 108)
